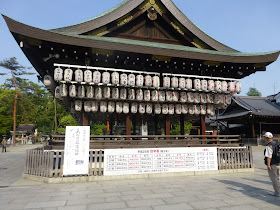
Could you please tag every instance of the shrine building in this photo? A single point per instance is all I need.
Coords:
(143, 63)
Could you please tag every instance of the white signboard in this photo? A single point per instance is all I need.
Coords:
(76, 150)
(158, 160)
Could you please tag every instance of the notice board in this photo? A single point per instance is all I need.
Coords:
(159, 160)
(76, 150)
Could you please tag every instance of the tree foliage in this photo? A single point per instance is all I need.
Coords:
(176, 130)
(253, 92)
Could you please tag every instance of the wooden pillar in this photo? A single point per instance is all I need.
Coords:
(182, 124)
(202, 125)
(111, 123)
(128, 125)
(134, 124)
(253, 129)
(85, 119)
(167, 126)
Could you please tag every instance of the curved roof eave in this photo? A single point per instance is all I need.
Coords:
(127, 6)
(139, 46)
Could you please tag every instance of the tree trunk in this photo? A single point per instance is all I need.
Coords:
(15, 110)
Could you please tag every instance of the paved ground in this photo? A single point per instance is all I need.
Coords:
(230, 191)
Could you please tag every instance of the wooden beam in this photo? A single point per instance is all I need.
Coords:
(182, 124)
(167, 126)
(253, 129)
(85, 119)
(202, 125)
(128, 126)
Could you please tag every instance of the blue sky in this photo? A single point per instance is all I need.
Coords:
(245, 25)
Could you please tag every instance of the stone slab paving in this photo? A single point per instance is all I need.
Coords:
(223, 191)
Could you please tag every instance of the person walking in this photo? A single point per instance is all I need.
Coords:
(4, 145)
(271, 161)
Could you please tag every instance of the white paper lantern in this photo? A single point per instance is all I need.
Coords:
(123, 93)
(147, 95)
(57, 92)
(169, 96)
(227, 99)
(210, 98)
(115, 78)
(98, 93)
(96, 77)
(90, 92)
(217, 99)
(231, 86)
(105, 77)
(203, 98)
(125, 108)
(182, 83)
(87, 106)
(63, 90)
(58, 74)
(184, 108)
(211, 85)
(131, 80)
(175, 96)
(191, 109)
(164, 109)
(123, 79)
(218, 86)
(157, 109)
(196, 84)
(103, 106)
(183, 97)
(149, 108)
(115, 93)
(81, 91)
(161, 95)
(188, 84)
(224, 86)
(139, 80)
(203, 109)
(166, 82)
(171, 109)
(139, 95)
(72, 91)
(111, 106)
(223, 99)
(78, 105)
(131, 94)
(190, 97)
(94, 106)
(68, 74)
(48, 81)
(141, 108)
(106, 92)
(79, 75)
(133, 108)
(203, 85)
(210, 110)
(237, 87)
(154, 95)
(88, 76)
(196, 109)
(156, 82)
(148, 81)
(174, 82)
(196, 97)
(178, 109)
(119, 107)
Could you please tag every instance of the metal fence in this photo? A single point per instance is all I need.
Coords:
(49, 163)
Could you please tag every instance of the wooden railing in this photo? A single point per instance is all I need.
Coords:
(49, 163)
(139, 141)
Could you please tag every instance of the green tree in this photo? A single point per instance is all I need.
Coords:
(253, 92)
(176, 130)
(67, 120)
(16, 70)
(99, 129)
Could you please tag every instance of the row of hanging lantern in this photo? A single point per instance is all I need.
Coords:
(140, 80)
(143, 108)
(140, 95)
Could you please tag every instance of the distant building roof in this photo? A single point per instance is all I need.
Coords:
(26, 127)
